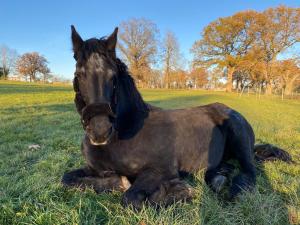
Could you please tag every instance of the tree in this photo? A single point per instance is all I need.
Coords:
(155, 79)
(8, 59)
(277, 30)
(225, 42)
(199, 77)
(288, 72)
(138, 44)
(178, 78)
(45, 72)
(170, 55)
(251, 69)
(32, 64)
(3, 72)
(214, 77)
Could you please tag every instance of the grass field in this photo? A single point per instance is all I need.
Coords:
(30, 189)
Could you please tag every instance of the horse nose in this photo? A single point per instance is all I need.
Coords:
(100, 125)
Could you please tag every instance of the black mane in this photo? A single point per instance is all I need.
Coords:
(131, 109)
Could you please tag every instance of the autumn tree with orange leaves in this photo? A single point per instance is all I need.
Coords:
(31, 65)
(225, 42)
(199, 77)
(247, 41)
(277, 30)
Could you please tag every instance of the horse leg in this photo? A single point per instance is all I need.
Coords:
(213, 178)
(220, 176)
(246, 179)
(242, 146)
(82, 178)
(171, 191)
(144, 185)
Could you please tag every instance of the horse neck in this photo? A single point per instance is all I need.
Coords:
(131, 108)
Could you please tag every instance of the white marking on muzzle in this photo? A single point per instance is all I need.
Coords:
(98, 143)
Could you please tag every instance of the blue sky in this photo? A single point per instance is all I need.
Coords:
(44, 26)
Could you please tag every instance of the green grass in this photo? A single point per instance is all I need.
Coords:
(30, 189)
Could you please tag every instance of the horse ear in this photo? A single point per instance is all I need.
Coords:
(76, 40)
(112, 40)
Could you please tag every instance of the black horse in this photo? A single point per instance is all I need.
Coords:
(132, 146)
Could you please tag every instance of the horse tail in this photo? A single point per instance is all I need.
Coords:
(268, 152)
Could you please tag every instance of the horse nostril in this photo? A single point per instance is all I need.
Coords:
(88, 128)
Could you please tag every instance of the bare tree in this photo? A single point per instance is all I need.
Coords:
(32, 64)
(138, 44)
(155, 79)
(8, 59)
(170, 55)
(45, 73)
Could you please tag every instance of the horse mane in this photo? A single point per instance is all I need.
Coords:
(130, 109)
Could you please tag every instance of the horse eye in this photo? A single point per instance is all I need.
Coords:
(79, 75)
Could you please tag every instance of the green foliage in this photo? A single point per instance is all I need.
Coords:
(30, 190)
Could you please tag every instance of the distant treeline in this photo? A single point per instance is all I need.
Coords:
(257, 51)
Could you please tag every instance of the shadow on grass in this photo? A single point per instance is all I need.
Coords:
(263, 205)
(30, 88)
(171, 102)
(59, 108)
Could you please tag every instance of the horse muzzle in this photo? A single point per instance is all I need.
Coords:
(97, 122)
(103, 139)
(100, 130)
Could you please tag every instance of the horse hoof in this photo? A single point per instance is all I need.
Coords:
(68, 180)
(218, 183)
(132, 199)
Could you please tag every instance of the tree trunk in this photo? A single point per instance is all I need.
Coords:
(259, 92)
(268, 88)
(3, 72)
(289, 87)
(237, 85)
(32, 77)
(242, 91)
(168, 79)
(229, 79)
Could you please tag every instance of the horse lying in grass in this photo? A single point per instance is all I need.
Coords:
(143, 150)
